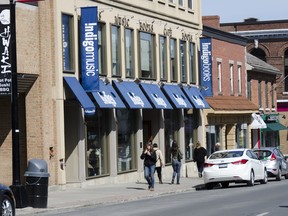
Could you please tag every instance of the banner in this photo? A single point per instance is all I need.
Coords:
(5, 62)
(206, 66)
(89, 48)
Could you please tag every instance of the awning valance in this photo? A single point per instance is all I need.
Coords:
(275, 127)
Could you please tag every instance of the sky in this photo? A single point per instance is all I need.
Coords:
(238, 10)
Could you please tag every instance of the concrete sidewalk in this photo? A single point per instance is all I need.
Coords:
(71, 198)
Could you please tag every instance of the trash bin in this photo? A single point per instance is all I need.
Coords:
(37, 183)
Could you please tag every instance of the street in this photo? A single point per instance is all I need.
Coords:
(237, 200)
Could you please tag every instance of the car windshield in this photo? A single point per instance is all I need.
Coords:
(228, 154)
(262, 153)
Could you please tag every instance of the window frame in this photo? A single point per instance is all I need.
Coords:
(182, 60)
(163, 57)
(132, 58)
(173, 63)
(117, 53)
(101, 48)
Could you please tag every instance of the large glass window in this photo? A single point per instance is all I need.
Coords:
(241, 135)
(163, 54)
(183, 61)
(101, 48)
(213, 136)
(191, 138)
(192, 70)
(129, 60)
(173, 60)
(115, 52)
(67, 43)
(97, 144)
(172, 125)
(147, 55)
(126, 140)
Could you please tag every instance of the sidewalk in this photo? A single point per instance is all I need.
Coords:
(58, 201)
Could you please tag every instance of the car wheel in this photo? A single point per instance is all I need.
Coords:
(225, 184)
(279, 174)
(286, 176)
(265, 179)
(7, 207)
(252, 179)
(209, 186)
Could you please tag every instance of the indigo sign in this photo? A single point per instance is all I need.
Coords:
(206, 66)
(5, 63)
(89, 48)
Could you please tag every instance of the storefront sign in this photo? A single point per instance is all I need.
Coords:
(5, 63)
(89, 49)
(206, 66)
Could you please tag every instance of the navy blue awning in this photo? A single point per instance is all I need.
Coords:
(81, 95)
(156, 96)
(107, 97)
(195, 96)
(177, 96)
(132, 94)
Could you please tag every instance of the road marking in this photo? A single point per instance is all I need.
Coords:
(265, 213)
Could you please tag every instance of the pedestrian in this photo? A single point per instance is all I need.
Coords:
(217, 147)
(159, 162)
(149, 157)
(177, 156)
(199, 157)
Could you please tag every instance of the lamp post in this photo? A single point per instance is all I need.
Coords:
(18, 189)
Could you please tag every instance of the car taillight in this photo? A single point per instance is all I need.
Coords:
(208, 165)
(273, 157)
(243, 161)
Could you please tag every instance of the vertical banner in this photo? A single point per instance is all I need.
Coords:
(89, 48)
(206, 66)
(5, 62)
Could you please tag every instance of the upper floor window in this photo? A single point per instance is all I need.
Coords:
(249, 89)
(190, 4)
(266, 94)
(259, 94)
(239, 68)
(67, 43)
(147, 55)
(219, 76)
(181, 3)
(101, 48)
(171, 1)
(129, 60)
(192, 70)
(286, 70)
(183, 61)
(163, 55)
(272, 95)
(173, 60)
(115, 50)
(231, 79)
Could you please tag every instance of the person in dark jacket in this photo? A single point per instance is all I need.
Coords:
(199, 155)
(149, 157)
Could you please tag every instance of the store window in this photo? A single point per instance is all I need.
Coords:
(67, 43)
(213, 136)
(241, 135)
(97, 145)
(183, 61)
(191, 138)
(173, 60)
(192, 70)
(126, 148)
(101, 48)
(147, 55)
(172, 126)
(115, 52)
(129, 60)
(163, 55)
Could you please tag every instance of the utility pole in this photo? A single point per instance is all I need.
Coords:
(18, 189)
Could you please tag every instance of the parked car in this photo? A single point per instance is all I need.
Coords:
(7, 201)
(233, 166)
(274, 160)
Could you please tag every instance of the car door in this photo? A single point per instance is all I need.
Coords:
(283, 162)
(256, 164)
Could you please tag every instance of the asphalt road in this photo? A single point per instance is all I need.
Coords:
(237, 200)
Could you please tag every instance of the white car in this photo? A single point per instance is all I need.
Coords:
(235, 165)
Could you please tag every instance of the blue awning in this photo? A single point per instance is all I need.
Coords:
(107, 97)
(132, 94)
(156, 96)
(196, 98)
(177, 96)
(81, 95)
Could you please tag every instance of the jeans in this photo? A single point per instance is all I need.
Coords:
(176, 164)
(149, 175)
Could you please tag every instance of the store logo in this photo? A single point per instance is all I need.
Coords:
(135, 99)
(159, 100)
(106, 98)
(198, 101)
(179, 100)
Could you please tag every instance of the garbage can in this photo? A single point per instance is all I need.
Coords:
(37, 183)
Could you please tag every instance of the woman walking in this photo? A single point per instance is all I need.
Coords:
(176, 155)
(199, 157)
